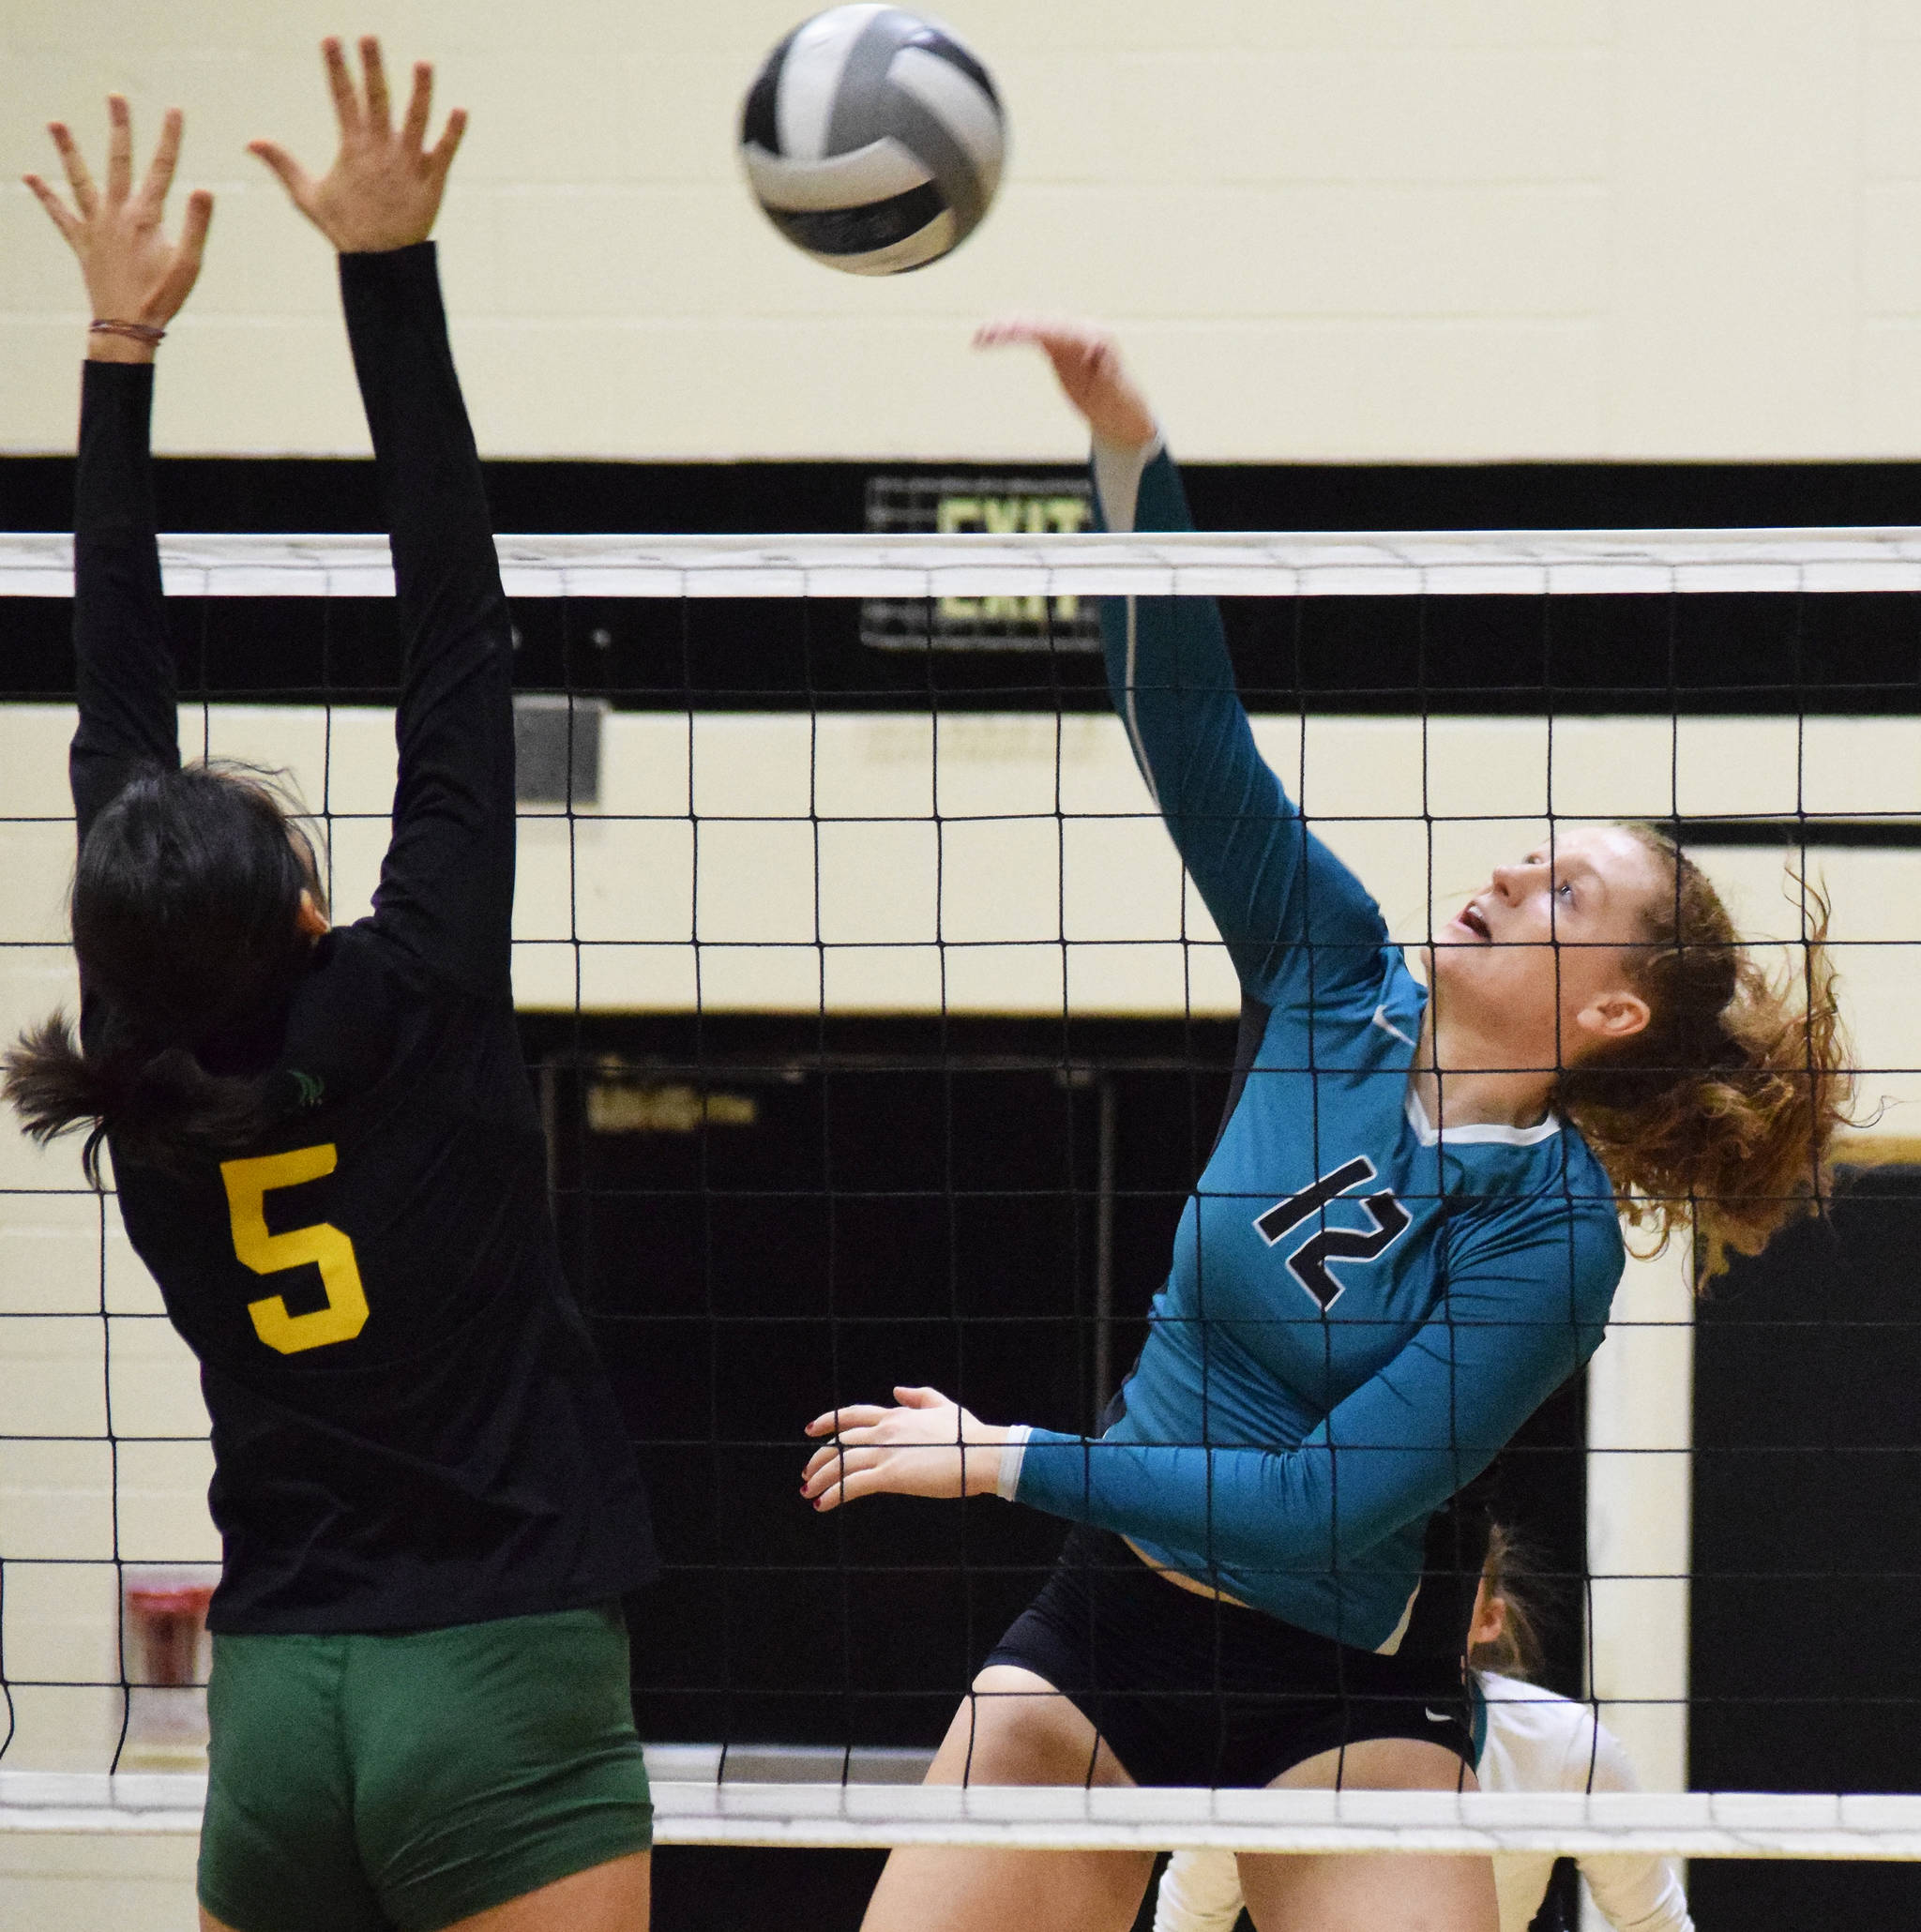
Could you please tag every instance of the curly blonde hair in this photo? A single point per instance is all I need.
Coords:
(1719, 1114)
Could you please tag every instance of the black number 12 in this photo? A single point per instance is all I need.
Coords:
(1308, 1262)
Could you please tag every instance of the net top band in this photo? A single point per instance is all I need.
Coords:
(1570, 563)
(827, 1813)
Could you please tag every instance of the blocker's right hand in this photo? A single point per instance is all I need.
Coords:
(383, 188)
(1087, 365)
(133, 272)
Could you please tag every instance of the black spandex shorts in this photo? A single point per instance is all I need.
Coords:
(1190, 1691)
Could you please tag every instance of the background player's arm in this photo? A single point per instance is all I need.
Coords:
(1200, 1890)
(446, 888)
(124, 664)
(1296, 920)
(1635, 1894)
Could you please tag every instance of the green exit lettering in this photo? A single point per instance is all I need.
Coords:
(1011, 516)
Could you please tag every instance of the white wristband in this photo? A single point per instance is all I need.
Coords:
(1013, 1453)
(1118, 473)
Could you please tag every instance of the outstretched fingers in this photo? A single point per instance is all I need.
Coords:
(160, 173)
(340, 83)
(850, 1474)
(293, 177)
(380, 118)
(841, 1456)
(382, 189)
(1081, 353)
(1087, 365)
(448, 145)
(62, 215)
(133, 272)
(85, 196)
(1005, 331)
(184, 270)
(1056, 334)
(119, 148)
(838, 1421)
(851, 1488)
(419, 107)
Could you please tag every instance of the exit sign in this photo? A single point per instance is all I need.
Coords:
(1040, 505)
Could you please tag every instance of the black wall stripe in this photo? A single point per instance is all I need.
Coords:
(562, 493)
(1884, 833)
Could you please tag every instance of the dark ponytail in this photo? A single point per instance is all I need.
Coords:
(187, 926)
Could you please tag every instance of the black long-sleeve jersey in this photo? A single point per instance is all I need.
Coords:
(410, 1427)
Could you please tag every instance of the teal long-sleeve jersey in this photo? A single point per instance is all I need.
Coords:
(1361, 1310)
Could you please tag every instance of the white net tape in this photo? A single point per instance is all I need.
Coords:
(826, 1814)
(1568, 563)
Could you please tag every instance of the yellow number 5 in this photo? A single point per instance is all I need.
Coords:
(322, 1246)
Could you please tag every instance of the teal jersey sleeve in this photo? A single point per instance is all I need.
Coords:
(1297, 924)
(1498, 1343)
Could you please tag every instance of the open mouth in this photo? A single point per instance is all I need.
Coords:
(1470, 916)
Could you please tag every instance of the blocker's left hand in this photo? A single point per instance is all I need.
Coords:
(133, 272)
(928, 1446)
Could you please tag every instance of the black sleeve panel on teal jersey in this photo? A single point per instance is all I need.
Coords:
(446, 888)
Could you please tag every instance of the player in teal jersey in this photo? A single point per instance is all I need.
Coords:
(1407, 1236)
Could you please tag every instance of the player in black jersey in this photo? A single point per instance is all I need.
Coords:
(327, 1153)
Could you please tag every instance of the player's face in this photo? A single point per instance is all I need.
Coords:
(1544, 953)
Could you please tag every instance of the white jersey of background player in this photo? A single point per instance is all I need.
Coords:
(1529, 1739)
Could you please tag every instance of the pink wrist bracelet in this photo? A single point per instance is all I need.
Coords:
(133, 331)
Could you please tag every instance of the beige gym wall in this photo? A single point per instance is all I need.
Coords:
(1328, 229)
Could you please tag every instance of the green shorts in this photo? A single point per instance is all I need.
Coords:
(360, 1783)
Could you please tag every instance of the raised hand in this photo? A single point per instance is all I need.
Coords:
(134, 275)
(1087, 365)
(383, 188)
(928, 1446)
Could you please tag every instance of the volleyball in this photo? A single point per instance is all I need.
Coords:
(874, 140)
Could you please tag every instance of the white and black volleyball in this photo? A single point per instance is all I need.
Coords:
(874, 140)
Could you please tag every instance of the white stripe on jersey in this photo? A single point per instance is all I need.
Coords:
(1117, 475)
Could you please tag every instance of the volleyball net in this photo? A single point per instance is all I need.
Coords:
(879, 1039)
